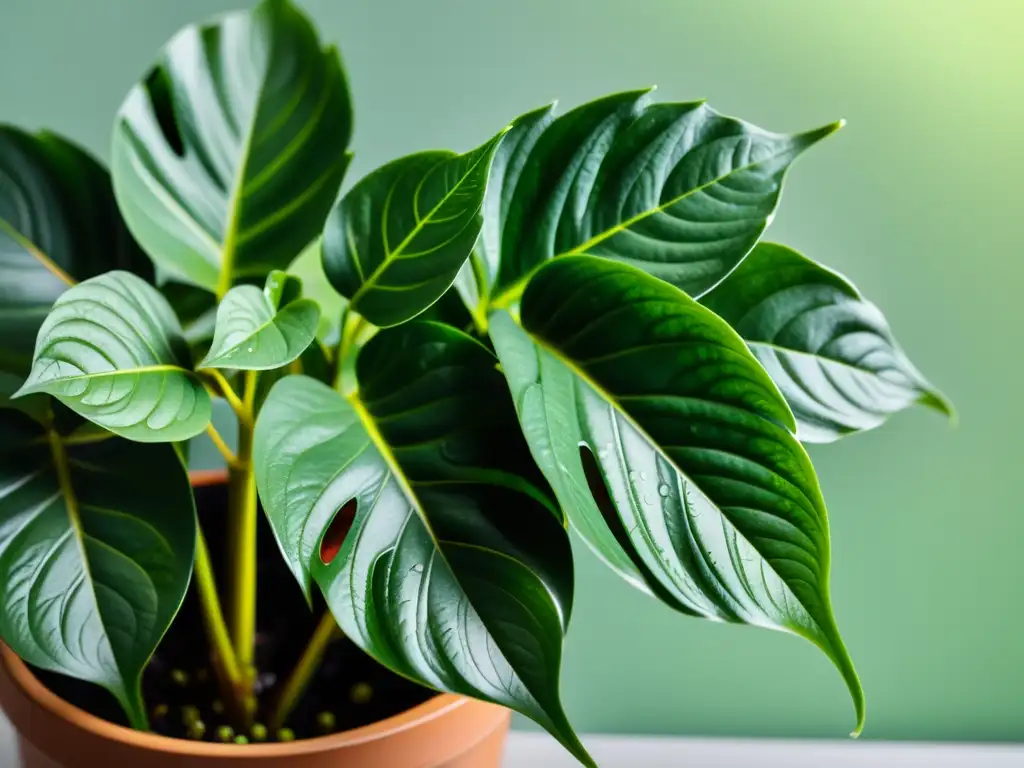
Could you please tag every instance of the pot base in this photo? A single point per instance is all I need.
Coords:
(486, 754)
(445, 732)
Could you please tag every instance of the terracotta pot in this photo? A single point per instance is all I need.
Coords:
(445, 732)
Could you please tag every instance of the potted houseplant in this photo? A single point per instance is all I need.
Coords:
(574, 324)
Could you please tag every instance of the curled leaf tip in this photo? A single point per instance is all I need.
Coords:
(937, 401)
(815, 135)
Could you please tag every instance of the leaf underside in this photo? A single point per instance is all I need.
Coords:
(830, 351)
(714, 506)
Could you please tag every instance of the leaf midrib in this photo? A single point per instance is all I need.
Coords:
(63, 471)
(228, 250)
(45, 261)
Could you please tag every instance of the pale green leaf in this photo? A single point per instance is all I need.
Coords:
(228, 156)
(112, 351)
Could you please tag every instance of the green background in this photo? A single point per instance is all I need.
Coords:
(919, 200)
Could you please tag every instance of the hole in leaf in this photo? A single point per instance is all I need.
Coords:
(159, 88)
(599, 490)
(603, 499)
(334, 536)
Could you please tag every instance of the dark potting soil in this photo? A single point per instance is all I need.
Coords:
(349, 690)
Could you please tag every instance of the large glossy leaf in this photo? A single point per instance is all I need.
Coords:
(457, 570)
(670, 449)
(112, 351)
(96, 548)
(478, 275)
(830, 351)
(227, 158)
(395, 242)
(261, 330)
(678, 190)
(58, 225)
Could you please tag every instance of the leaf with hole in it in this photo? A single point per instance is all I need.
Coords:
(830, 351)
(58, 224)
(95, 557)
(261, 330)
(112, 351)
(678, 190)
(395, 242)
(670, 449)
(227, 158)
(456, 570)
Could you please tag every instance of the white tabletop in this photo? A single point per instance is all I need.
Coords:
(529, 750)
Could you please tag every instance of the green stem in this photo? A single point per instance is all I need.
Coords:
(326, 632)
(242, 511)
(353, 326)
(511, 295)
(225, 663)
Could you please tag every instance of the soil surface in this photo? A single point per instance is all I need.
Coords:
(349, 690)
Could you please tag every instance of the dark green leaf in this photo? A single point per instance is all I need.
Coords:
(480, 273)
(58, 224)
(112, 351)
(675, 189)
(830, 351)
(229, 155)
(395, 242)
(96, 550)
(457, 571)
(669, 447)
(261, 330)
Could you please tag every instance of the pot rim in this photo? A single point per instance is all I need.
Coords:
(30, 686)
(19, 674)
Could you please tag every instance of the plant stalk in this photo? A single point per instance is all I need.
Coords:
(326, 632)
(242, 511)
(225, 663)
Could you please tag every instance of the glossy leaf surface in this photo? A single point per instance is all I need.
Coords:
(479, 275)
(670, 449)
(228, 156)
(830, 350)
(95, 557)
(395, 242)
(678, 190)
(58, 225)
(261, 330)
(112, 351)
(457, 570)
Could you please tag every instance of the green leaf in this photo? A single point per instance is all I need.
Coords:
(670, 449)
(829, 350)
(96, 547)
(394, 244)
(112, 351)
(678, 190)
(58, 224)
(477, 276)
(229, 155)
(261, 330)
(457, 571)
